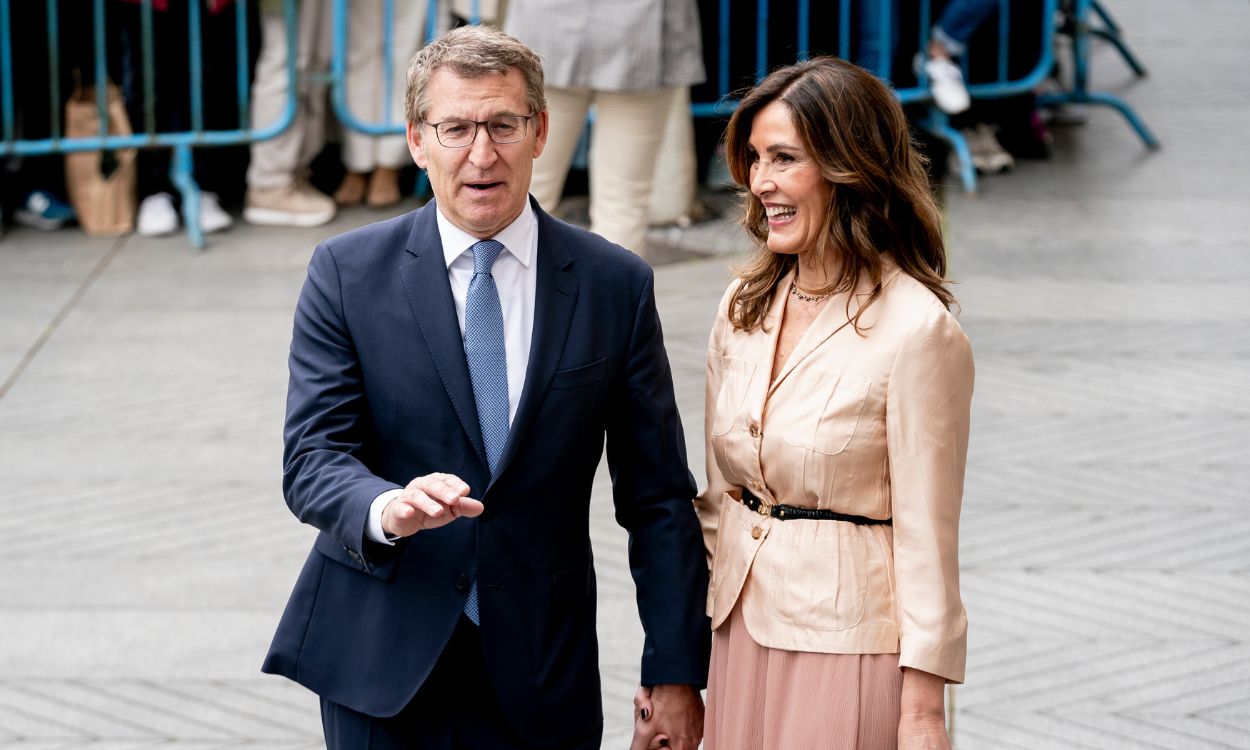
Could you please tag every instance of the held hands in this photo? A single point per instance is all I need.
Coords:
(429, 502)
(667, 716)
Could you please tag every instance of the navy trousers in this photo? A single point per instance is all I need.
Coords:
(456, 709)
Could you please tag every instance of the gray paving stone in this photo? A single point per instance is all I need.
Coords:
(146, 552)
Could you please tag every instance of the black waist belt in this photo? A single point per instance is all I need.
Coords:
(790, 512)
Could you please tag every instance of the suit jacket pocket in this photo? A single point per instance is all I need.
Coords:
(581, 375)
(820, 576)
(330, 548)
(827, 422)
(736, 374)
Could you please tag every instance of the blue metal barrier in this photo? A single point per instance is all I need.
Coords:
(1079, 26)
(181, 142)
(935, 121)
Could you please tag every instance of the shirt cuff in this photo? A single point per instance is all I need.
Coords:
(374, 529)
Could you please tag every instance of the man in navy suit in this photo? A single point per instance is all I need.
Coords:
(454, 374)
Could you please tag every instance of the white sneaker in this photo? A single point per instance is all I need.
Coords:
(212, 217)
(946, 85)
(157, 215)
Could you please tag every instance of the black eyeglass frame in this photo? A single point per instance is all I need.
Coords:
(478, 123)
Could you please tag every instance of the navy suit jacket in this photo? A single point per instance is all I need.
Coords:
(380, 393)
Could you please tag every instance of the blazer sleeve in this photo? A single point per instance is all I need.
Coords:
(652, 489)
(927, 421)
(707, 504)
(325, 479)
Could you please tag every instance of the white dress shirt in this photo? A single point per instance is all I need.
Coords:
(516, 276)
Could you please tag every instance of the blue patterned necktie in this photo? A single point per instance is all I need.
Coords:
(488, 366)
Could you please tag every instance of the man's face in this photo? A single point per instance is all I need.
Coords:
(481, 187)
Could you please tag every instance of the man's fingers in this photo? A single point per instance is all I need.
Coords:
(467, 506)
(446, 488)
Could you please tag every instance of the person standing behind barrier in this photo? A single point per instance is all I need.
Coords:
(278, 192)
(373, 162)
(171, 104)
(627, 60)
(837, 415)
(950, 40)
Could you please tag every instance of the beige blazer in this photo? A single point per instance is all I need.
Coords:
(873, 425)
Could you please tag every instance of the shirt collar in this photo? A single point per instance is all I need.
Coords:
(517, 237)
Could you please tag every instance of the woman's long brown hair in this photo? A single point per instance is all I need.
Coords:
(853, 127)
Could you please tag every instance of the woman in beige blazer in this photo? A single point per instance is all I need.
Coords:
(838, 396)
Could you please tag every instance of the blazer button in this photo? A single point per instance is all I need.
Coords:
(757, 532)
(754, 430)
(462, 582)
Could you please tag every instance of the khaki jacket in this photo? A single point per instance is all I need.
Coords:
(873, 425)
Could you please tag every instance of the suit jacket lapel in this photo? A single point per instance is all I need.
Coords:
(831, 320)
(554, 299)
(424, 276)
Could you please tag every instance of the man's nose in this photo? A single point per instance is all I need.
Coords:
(482, 151)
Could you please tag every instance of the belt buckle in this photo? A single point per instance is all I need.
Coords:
(764, 508)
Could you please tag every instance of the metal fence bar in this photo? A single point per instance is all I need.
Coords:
(6, 73)
(196, 58)
(243, 82)
(149, 70)
(101, 68)
(388, 55)
(54, 70)
(805, 29)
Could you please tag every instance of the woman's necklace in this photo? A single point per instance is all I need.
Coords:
(805, 297)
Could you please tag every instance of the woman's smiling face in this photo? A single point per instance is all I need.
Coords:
(787, 181)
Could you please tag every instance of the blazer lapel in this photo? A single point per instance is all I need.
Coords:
(554, 299)
(424, 276)
(831, 320)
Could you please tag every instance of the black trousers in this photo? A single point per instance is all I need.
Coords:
(456, 709)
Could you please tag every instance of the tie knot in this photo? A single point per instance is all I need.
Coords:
(484, 255)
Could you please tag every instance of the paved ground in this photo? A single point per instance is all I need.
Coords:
(146, 553)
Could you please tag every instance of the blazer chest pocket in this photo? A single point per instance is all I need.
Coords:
(736, 377)
(835, 406)
(579, 376)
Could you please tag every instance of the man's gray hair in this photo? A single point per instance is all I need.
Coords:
(472, 52)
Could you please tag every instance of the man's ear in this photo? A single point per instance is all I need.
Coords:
(540, 133)
(416, 146)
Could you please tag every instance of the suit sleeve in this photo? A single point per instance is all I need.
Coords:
(652, 490)
(325, 479)
(927, 423)
(707, 504)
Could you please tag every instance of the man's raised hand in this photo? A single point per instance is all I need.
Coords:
(429, 502)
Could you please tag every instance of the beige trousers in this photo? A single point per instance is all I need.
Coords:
(279, 161)
(365, 97)
(628, 130)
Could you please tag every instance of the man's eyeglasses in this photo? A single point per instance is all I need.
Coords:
(461, 133)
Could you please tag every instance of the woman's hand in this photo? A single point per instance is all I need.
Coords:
(922, 722)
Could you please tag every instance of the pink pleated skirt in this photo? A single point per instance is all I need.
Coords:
(759, 698)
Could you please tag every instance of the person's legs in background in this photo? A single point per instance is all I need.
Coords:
(567, 110)
(950, 40)
(277, 191)
(629, 127)
(373, 162)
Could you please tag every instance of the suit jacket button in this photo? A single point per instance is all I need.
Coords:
(462, 582)
(756, 532)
